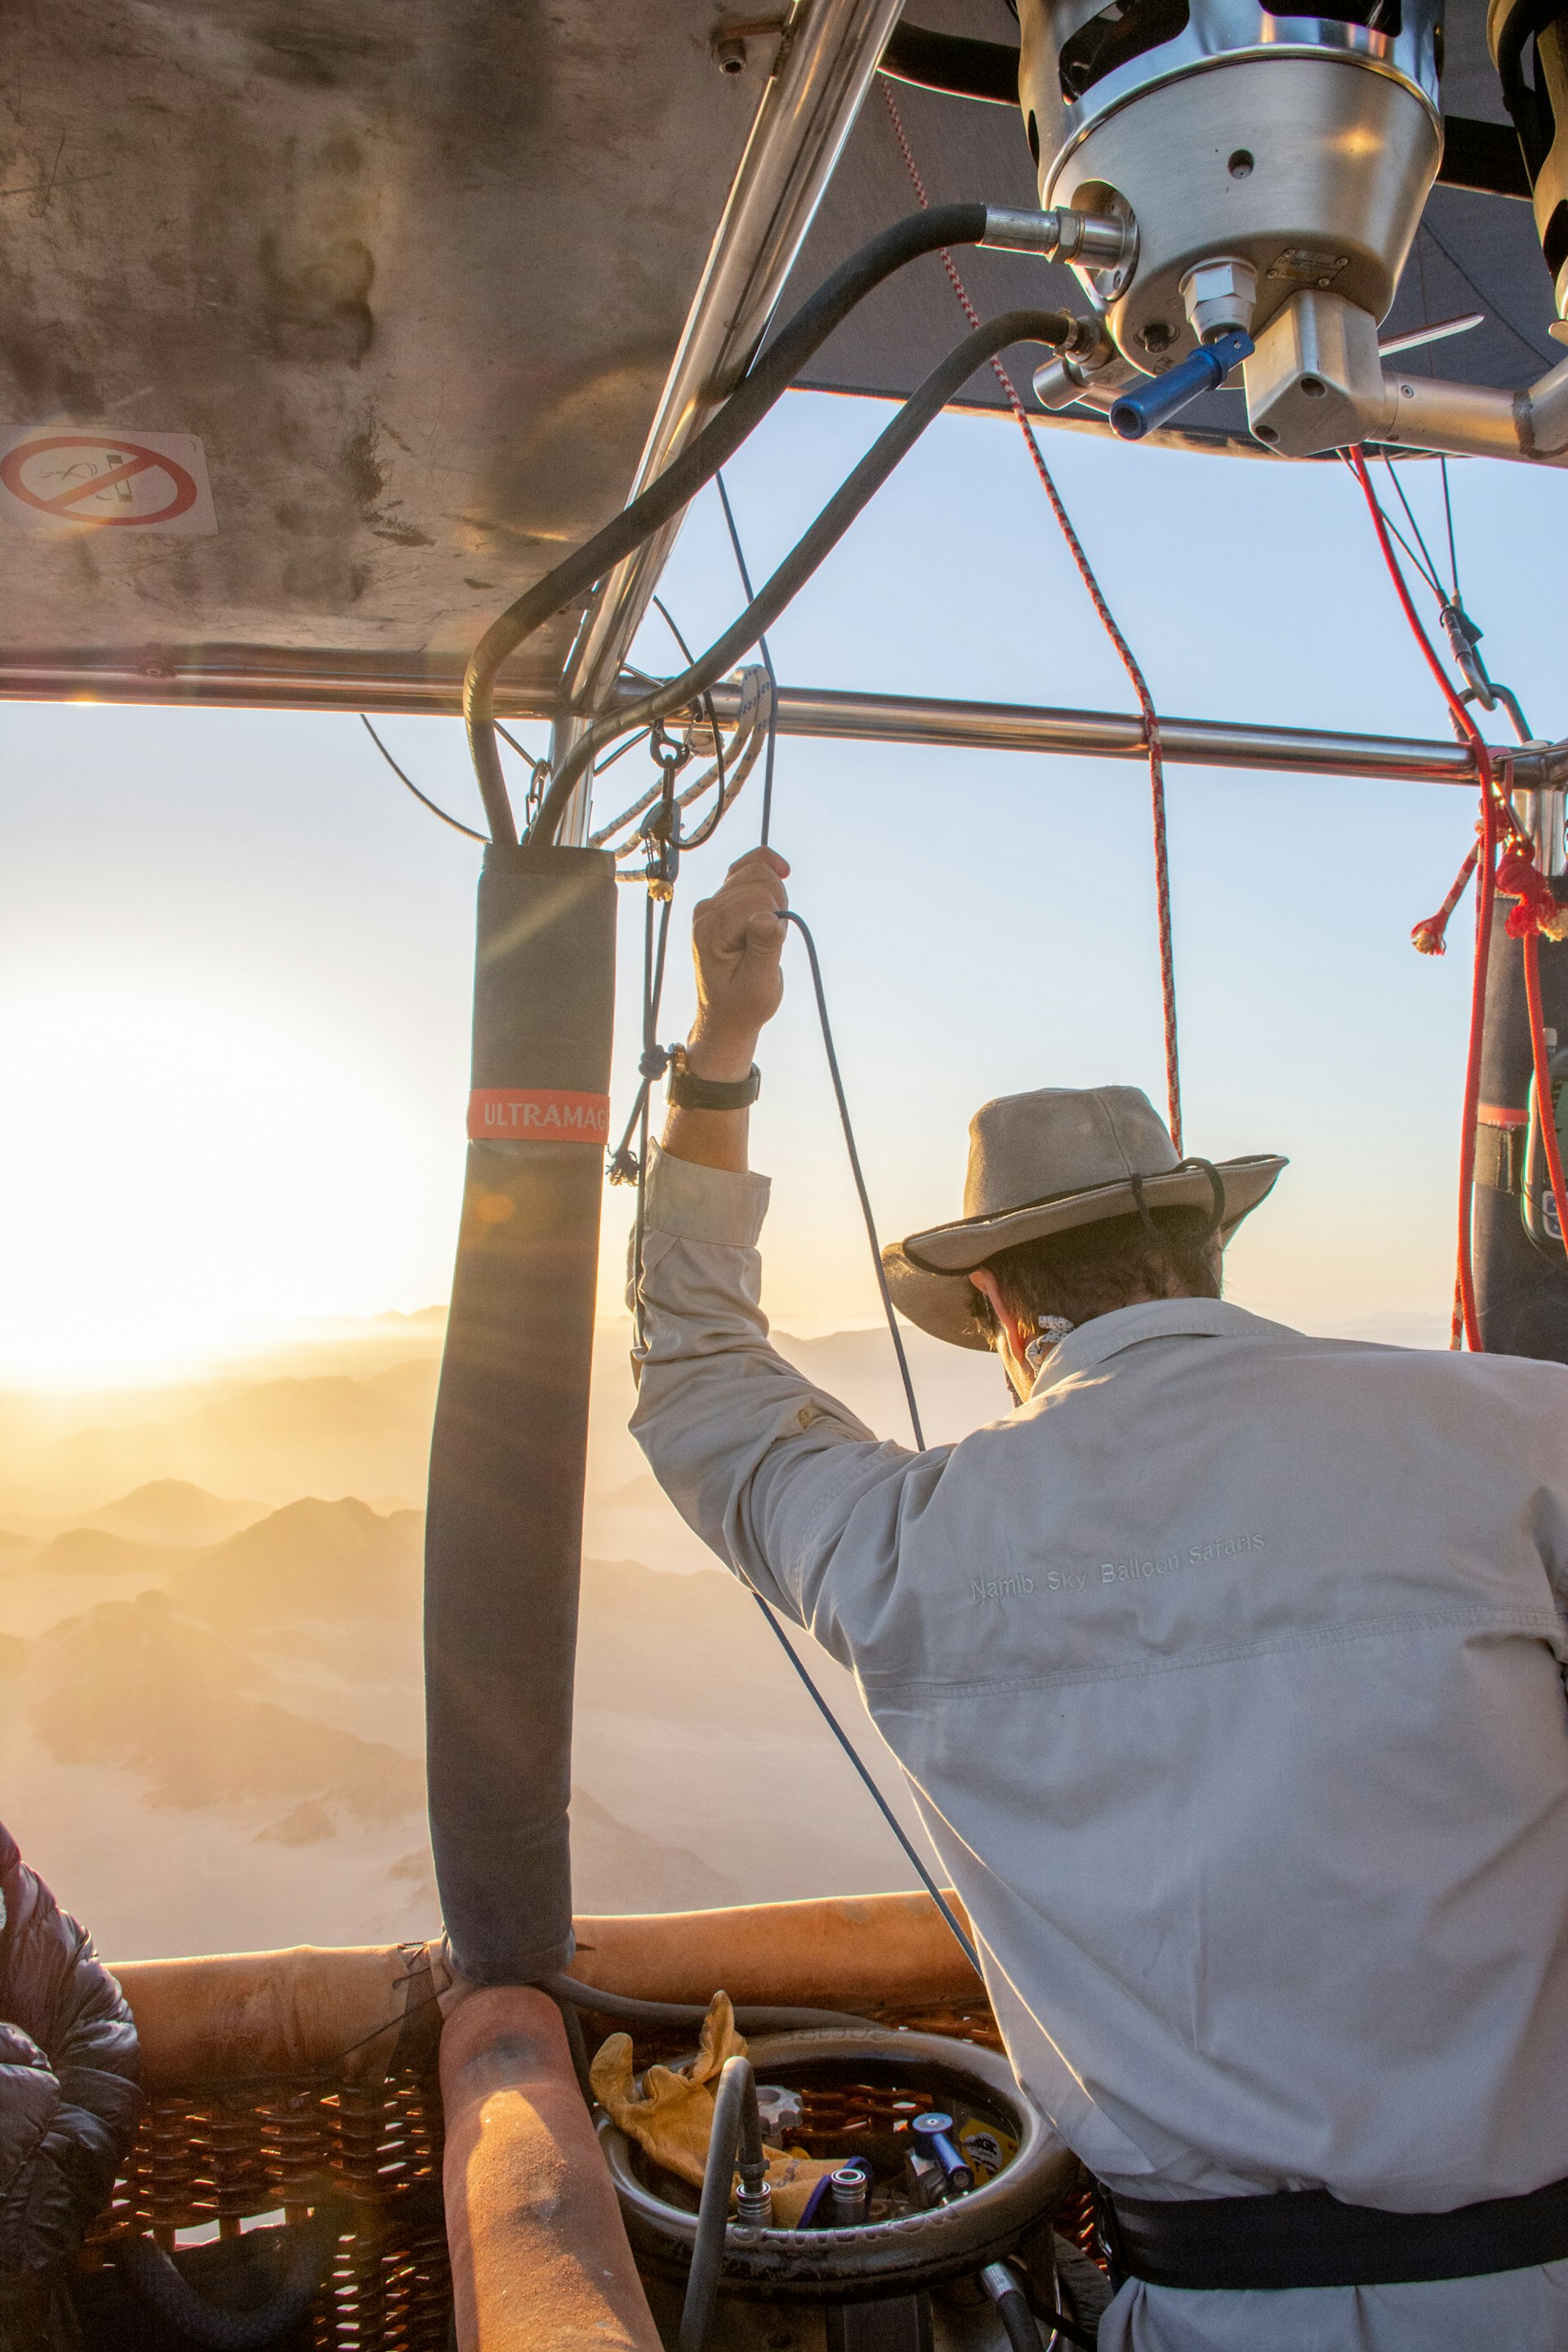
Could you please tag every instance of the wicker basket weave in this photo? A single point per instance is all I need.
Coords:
(211, 2157)
(233, 2152)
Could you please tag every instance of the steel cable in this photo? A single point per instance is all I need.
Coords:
(749, 594)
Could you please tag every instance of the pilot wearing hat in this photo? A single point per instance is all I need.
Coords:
(1228, 1675)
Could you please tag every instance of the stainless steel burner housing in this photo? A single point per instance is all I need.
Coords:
(1302, 145)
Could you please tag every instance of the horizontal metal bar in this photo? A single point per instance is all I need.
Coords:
(238, 679)
(241, 678)
(1103, 735)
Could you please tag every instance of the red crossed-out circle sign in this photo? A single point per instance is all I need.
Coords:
(130, 459)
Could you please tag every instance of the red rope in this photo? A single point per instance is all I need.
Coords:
(1466, 1317)
(1431, 937)
(1108, 621)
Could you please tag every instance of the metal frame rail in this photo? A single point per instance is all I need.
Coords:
(434, 690)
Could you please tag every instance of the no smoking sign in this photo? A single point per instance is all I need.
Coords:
(137, 483)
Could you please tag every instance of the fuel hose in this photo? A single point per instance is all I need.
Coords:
(627, 2010)
(736, 2136)
(1051, 327)
(770, 377)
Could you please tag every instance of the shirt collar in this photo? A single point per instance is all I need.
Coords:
(1157, 1319)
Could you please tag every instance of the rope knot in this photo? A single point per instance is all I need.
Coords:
(655, 1062)
(1430, 938)
(1538, 906)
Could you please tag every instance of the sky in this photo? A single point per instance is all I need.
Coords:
(236, 956)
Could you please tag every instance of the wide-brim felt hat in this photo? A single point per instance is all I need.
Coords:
(1046, 1163)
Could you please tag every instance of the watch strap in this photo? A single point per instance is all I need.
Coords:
(686, 1091)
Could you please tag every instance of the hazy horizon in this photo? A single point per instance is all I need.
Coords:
(211, 1707)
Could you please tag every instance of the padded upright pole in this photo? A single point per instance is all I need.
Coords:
(541, 2262)
(502, 1552)
(1521, 1293)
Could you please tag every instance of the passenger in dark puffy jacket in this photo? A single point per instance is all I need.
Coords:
(68, 2101)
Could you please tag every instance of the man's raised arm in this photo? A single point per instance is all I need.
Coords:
(779, 1479)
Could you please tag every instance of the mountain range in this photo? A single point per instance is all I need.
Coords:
(230, 1755)
(211, 1725)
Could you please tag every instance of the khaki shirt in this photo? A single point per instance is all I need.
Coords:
(1228, 1676)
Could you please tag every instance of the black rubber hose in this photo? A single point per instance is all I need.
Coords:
(576, 2043)
(1012, 2310)
(627, 2010)
(736, 2134)
(157, 2279)
(1051, 327)
(947, 61)
(770, 377)
(1082, 2327)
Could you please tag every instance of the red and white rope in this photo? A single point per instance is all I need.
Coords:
(1107, 620)
(1516, 876)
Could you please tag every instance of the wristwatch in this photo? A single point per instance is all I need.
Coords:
(686, 1091)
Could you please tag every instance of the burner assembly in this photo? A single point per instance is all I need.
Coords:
(1270, 172)
(944, 2171)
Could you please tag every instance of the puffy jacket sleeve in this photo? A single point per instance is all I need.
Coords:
(68, 2090)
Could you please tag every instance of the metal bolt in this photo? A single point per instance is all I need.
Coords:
(729, 53)
(1240, 164)
(754, 2203)
(849, 2188)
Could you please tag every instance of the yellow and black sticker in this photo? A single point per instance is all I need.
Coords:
(983, 2147)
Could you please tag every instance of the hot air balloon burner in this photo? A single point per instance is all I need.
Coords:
(1260, 156)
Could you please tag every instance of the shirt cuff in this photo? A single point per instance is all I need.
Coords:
(703, 1204)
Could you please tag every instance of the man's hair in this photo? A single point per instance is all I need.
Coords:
(1094, 1269)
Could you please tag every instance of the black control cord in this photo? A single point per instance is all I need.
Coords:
(405, 778)
(916, 1864)
(893, 1331)
(652, 986)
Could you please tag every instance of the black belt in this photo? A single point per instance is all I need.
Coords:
(1304, 2237)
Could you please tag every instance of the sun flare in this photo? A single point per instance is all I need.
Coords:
(182, 1178)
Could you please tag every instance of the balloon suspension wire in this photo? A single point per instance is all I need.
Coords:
(750, 593)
